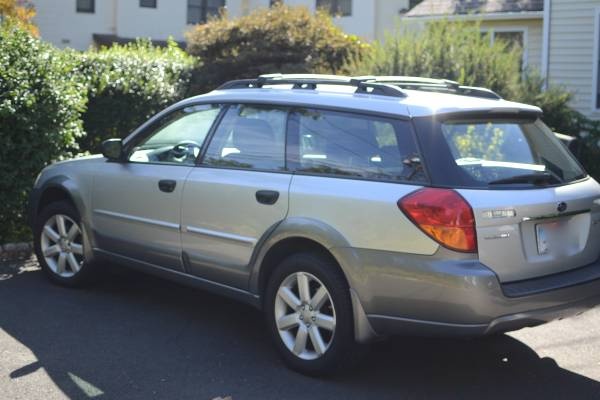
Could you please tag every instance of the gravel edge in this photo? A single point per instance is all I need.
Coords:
(15, 251)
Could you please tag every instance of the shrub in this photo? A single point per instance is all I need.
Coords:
(127, 84)
(277, 39)
(446, 49)
(40, 110)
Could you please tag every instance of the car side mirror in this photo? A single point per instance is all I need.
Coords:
(113, 149)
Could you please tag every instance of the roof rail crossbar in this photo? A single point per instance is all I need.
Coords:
(310, 81)
(442, 85)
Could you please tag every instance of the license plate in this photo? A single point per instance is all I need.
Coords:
(548, 236)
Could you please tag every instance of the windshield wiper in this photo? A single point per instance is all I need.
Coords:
(538, 179)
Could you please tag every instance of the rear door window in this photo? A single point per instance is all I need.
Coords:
(249, 137)
(495, 153)
(353, 145)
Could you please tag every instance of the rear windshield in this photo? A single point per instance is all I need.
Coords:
(500, 153)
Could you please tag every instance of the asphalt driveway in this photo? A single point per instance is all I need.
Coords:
(135, 337)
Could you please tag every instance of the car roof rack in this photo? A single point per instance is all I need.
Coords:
(434, 85)
(381, 85)
(364, 85)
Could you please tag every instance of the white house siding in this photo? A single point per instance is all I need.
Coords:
(387, 16)
(533, 29)
(60, 24)
(571, 52)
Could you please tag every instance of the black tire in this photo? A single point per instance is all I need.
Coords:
(343, 350)
(86, 273)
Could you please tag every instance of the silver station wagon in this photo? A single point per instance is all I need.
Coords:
(347, 209)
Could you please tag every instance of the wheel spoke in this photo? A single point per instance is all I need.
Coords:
(52, 251)
(77, 249)
(325, 322)
(301, 336)
(289, 297)
(60, 223)
(287, 322)
(303, 287)
(319, 298)
(60, 266)
(73, 232)
(317, 340)
(73, 263)
(51, 233)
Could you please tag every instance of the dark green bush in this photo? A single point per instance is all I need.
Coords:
(277, 39)
(40, 111)
(127, 84)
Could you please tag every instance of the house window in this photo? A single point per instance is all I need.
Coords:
(336, 7)
(148, 3)
(200, 10)
(515, 37)
(413, 3)
(85, 6)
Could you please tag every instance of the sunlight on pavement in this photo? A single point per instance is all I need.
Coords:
(87, 388)
(572, 342)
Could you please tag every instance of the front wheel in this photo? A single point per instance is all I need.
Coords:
(309, 313)
(59, 241)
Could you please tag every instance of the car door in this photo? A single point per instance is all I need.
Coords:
(237, 193)
(136, 203)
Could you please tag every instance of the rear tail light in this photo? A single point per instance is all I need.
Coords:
(444, 215)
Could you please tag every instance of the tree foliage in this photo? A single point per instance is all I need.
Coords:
(20, 12)
(446, 49)
(277, 39)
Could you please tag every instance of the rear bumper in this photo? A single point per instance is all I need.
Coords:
(386, 325)
(450, 294)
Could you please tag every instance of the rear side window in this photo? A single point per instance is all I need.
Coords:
(352, 145)
(249, 137)
(496, 153)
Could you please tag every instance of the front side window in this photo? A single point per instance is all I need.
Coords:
(249, 137)
(199, 11)
(178, 137)
(350, 145)
(497, 153)
(336, 7)
(86, 6)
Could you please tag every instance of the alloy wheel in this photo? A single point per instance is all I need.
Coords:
(62, 245)
(305, 315)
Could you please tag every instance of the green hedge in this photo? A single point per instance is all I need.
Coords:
(276, 39)
(56, 104)
(127, 84)
(40, 119)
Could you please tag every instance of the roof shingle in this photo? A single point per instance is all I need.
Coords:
(458, 7)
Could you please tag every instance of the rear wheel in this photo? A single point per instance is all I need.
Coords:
(309, 312)
(59, 245)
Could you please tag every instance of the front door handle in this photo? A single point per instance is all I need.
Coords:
(268, 197)
(167, 185)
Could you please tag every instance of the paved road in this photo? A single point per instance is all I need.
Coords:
(135, 337)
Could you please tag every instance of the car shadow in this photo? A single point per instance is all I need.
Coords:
(132, 336)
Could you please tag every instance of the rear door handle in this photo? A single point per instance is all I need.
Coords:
(167, 185)
(268, 197)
